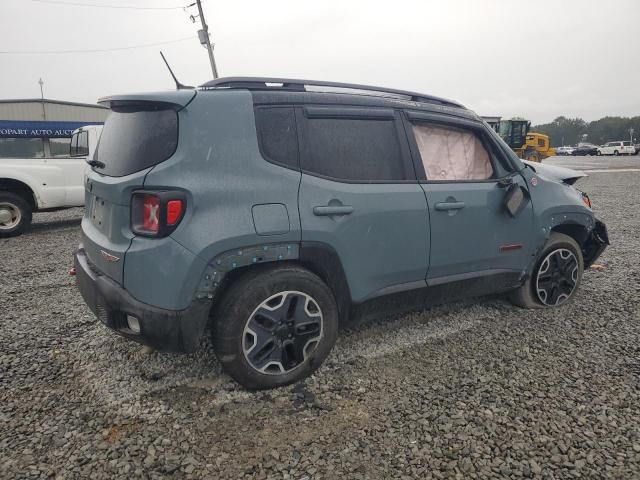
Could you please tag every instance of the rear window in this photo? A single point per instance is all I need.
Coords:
(134, 139)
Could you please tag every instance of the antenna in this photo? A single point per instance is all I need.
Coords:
(179, 86)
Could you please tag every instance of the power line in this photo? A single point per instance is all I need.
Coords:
(127, 7)
(56, 52)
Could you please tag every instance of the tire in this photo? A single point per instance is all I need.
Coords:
(15, 214)
(559, 247)
(532, 156)
(616, 153)
(295, 339)
(598, 153)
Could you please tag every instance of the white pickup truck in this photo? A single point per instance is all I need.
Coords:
(28, 185)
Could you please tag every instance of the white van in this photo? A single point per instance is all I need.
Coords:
(617, 148)
(35, 184)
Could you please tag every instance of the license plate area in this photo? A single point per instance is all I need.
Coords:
(97, 211)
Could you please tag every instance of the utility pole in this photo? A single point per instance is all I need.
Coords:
(44, 114)
(203, 35)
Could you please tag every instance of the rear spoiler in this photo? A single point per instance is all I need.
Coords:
(175, 100)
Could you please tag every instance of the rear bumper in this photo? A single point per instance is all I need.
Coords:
(167, 330)
(595, 244)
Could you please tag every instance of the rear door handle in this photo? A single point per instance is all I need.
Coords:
(329, 210)
(445, 206)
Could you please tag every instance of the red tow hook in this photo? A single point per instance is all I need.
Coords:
(72, 271)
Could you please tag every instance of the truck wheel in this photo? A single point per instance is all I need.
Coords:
(274, 326)
(616, 153)
(15, 214)
(555, 277)
(532, 156)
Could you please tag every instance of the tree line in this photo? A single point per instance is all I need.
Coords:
(570, 131)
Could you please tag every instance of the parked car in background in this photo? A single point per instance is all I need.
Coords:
(586, 149)
(618, 147)
(564, 150)
(272, 213)
(29, 185)
(637, 145)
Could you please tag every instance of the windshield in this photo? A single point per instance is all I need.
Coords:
(505, 129)
(514, 132)
(134, 139)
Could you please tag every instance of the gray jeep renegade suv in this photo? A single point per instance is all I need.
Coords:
(271, 210)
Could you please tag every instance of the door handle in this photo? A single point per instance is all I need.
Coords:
(445, 206)
(329, 210)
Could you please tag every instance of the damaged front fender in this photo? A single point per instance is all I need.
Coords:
(595, 244)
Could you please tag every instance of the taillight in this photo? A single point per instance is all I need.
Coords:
(157, 213)
(174, 211)
(150, 214)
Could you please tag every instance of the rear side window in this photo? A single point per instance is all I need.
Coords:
(352, 149)
(134, 139)
(452, 154)
(277, 136)
(21, 148)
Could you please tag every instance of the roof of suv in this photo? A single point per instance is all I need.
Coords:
(281, 90)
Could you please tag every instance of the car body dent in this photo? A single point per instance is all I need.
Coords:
(557, 205)
(556, 173)
(219, 164)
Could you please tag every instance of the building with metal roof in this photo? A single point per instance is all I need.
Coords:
(41, 128)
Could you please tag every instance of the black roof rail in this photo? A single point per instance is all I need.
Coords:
(265, 83)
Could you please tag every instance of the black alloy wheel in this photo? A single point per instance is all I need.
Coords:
(281, 332)
(557, 277)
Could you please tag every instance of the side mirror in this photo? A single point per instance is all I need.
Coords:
(515, 199)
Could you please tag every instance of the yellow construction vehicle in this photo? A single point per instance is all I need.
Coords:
(527, 145)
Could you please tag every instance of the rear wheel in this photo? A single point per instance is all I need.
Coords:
(555, 277)
(275, 326)
(15, 214)
(616, 153)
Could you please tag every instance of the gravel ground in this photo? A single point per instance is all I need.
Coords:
(473, 389)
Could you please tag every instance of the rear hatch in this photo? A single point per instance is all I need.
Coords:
(140, 132)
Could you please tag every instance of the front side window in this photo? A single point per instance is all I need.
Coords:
(353, 149)
(541, 142)
(21, 148)
(452, 154)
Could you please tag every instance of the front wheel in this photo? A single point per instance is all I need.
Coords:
(555, 277)
(274, 326)
(616, 153)
(15, 214)
(533, 156)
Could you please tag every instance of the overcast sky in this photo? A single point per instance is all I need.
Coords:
(537, 59)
